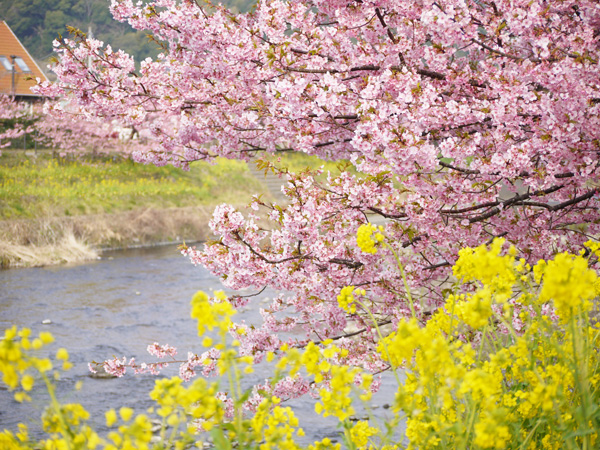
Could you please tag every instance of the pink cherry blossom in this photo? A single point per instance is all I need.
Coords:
(467, 120)
(162, 351)
(67, 129)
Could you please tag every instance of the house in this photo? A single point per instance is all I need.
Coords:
(18, 70)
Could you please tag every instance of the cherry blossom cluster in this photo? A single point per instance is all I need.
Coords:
(13, 118)
(162, 351)
(67, 130)
(207, 362)
(466, 119)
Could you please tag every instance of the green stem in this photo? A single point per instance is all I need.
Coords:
(173, 436)
(470, 426)
(381, 339)
(530, 435)
(482, 343)
(348, 436)
(234, 385)
(406, 287)
(581, 373)
(65, 430)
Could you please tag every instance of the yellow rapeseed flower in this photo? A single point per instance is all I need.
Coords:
(211, 314)
(368, 237)
(360, 433)
(570, 284)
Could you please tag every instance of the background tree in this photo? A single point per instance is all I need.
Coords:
(38, 22)
(15, 120)
(67, 132)
(470, 120)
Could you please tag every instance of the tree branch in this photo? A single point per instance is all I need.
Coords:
(346, 262)
(437, 266)
(355, 333)
(386, 215)
(290, 149)
(459, 169)
(370, 67)
(478, 172)
(469, 209)
(262, 257)
(384, 25)
(562, 205)
(518, 200)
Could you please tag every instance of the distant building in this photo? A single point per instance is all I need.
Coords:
(18, 70)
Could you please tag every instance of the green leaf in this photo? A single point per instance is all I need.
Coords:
(219, 440)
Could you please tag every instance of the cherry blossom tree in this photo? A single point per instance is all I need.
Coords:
(67, 130)
(14, 120)
(467, 119)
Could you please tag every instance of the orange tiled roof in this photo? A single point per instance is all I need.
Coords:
(11, 47)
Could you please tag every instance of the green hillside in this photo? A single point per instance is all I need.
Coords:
(38, 22)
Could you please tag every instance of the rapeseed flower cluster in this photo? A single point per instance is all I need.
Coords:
(487, 266)
(368, 237)
(569, 283)
(399, 346)
(135, 432)
(325, 444)
(474, 310)
(361, 432)
(275, 425)
(346, 299)
(198, 400)
(17, 363)
(212, 313)
(337, 399)
(20, 365)
(473, 381)
(339, 382)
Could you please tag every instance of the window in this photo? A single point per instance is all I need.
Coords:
(22, 64)
(6, 63)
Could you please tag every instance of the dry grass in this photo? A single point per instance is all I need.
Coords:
(46, 241)
(68, 250)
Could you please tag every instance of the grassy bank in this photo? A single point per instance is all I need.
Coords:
(40, 185)
(300, 162)
(55, 210)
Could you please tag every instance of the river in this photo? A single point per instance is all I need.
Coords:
(116, 306)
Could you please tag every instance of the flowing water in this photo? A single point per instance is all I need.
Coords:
(116, 306)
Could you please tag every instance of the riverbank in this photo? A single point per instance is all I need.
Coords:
(56, 240)
(55, 210)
